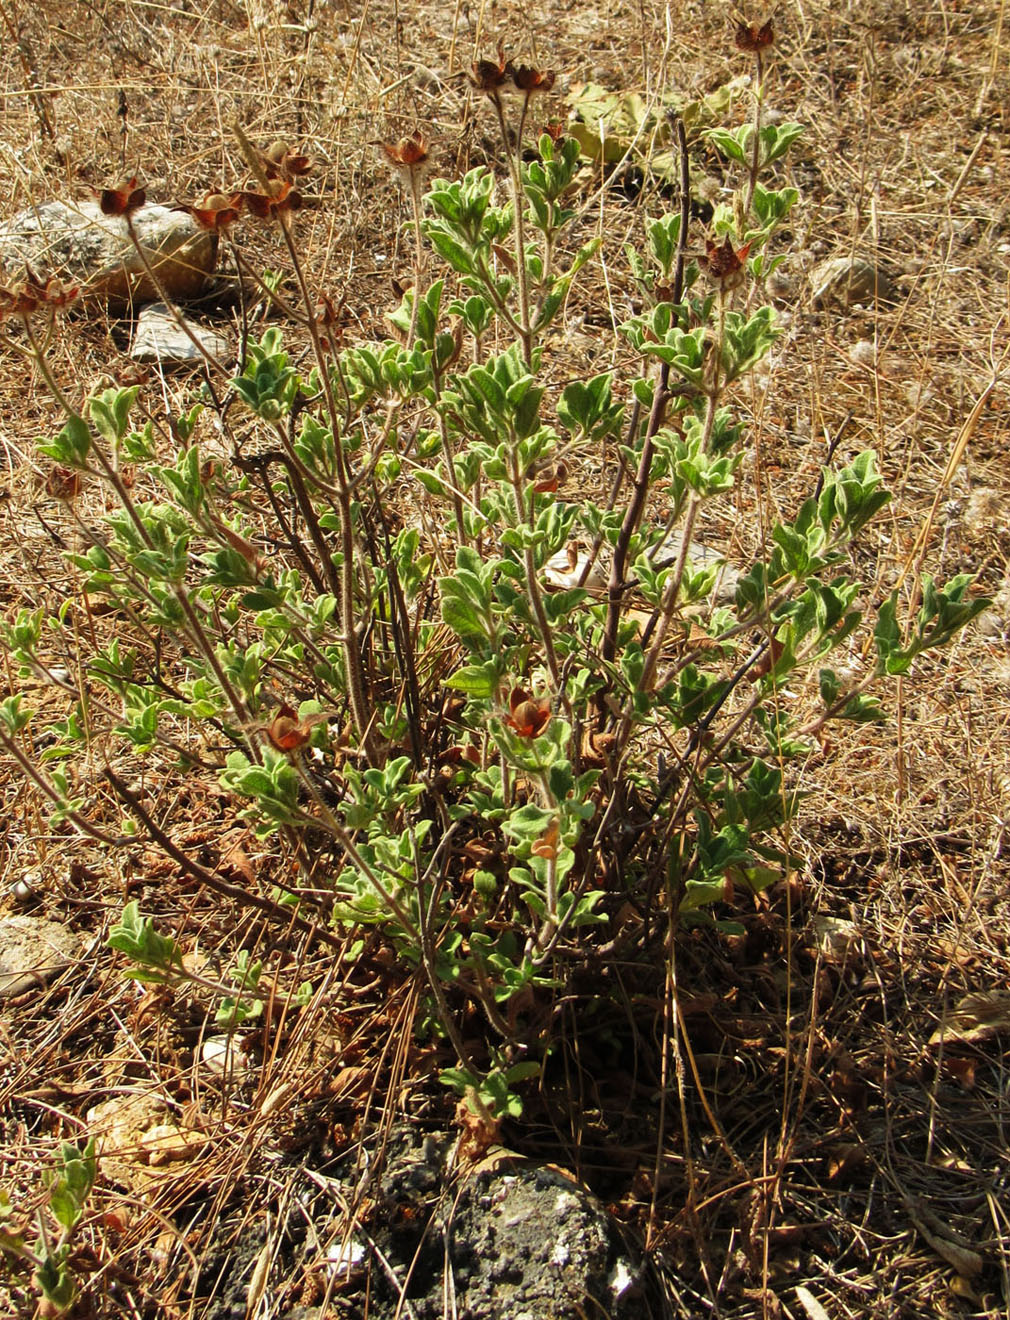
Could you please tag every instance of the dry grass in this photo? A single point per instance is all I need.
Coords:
(776, 1125)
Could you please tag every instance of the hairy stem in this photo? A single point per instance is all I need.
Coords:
(755, 159)
(514, 158)
(640, 490)
(532, 582)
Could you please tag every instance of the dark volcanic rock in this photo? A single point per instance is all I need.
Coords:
(534, 1244)
(511, 1240)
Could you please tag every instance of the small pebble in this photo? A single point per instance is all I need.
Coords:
(221, 1054)
(863, 353)
(27, 888)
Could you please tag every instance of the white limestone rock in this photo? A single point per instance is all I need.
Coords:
(75, 241)
(159, 338)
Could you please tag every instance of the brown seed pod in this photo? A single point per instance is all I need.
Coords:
(489, 76)
(532, 80)
(751, 37)
(124, 199)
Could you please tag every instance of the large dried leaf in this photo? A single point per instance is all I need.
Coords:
(978, 1017)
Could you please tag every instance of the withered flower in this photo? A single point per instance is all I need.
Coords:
(550, 478)
(547, 845)
(124, 199)
(216, 212)
(27, 297)
(555, 130)
(408, 153)
(755, 39)
(279, 201)
(526, 716)
(490, 77)
(285, 731)
(724, 263)
(58, 295)
(296, 165)
(530, 80)
(63, 483)
(331, 318)
(281, 162)
(16, 302)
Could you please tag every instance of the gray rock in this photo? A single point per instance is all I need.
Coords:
(77, 242)
(535, 1243)
(502, 1241)
(849, 280)
(513, 1238)
(32, 950)
(566, 568)
(159, 338)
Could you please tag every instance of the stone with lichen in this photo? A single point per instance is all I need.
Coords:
(75, 241)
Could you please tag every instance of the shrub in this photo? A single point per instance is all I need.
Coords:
(491, 732)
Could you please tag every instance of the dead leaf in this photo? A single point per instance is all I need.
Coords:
(565, 570)
(350, 1081)
(962, 1069)
(844, 1159)
(698, 639)
(279, 1096)
(138, 1142)
(978, 1017)
(948, 1244)
(810, 1304)
(477, 1134)
(767, 661)
(596, 748)
(235, 858)
(837, 940)
(962, 1289)
(166, 1142)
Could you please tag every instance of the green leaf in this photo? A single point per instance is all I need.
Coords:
(56, 1282)
(475, 680)
(110, 411)
(460, 615)
(733, 143)
(451, 250)
(72, 445)
(528, 823)
(136, 937)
